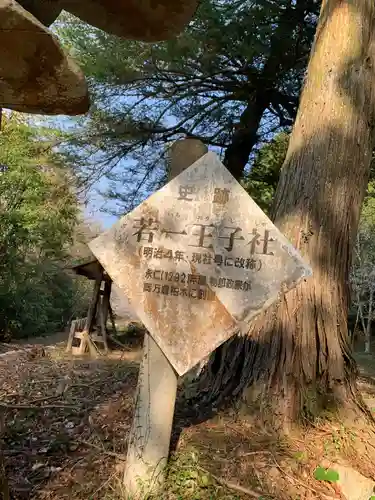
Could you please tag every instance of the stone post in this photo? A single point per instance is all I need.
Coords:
(150, 435)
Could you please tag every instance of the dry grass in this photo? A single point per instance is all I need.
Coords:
(71, 441)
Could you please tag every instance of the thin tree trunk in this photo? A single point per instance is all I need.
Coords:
(369, 321)
(361, 315)
(245, 136)
(354, 330)
(297, 356)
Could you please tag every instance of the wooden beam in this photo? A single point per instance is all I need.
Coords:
(113, 322)
(102, 325)
(106, 300)
(91, 314)
(71, 335)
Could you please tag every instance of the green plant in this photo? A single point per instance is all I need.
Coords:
(38, 212)
(330, 475)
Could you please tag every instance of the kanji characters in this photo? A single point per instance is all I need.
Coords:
(207, 258)
(257, 241)
(221, 196)
(204, 232)
(218, 259)
(178, 255)
(158, 253)
(149, 274)
(148, 252)
(196, 258)
(205, 236)
(146, 229)
(193, 279)
(231, 236)
(185, 192)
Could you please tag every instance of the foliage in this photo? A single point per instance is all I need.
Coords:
(38, 212)
(261, 182)
(231, 79)
(330, 475)
(186, 479)
(363, 269)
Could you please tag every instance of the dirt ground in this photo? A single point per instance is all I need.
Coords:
(66, 422)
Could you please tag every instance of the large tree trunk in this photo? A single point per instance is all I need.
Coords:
(297, 355)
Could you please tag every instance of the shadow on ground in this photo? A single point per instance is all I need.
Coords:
(66, 420)
(73, 445)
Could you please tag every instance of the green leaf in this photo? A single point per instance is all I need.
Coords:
(38, 214)
(329, 475)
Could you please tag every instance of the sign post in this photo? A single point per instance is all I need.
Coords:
(197, 260)
(150, 435)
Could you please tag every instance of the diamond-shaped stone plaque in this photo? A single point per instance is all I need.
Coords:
(197, 260)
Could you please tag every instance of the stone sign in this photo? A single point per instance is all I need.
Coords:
(197, 260)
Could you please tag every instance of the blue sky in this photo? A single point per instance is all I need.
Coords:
(95, 203)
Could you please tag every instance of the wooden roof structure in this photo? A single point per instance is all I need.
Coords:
(91, 269)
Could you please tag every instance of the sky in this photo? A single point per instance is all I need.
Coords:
(95, 203)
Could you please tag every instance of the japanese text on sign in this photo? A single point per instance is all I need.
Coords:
(201, 258)
(186, 193)
(188, 285)
(201, 236)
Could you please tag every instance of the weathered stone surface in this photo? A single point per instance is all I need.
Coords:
(149, 439)
(184, 153)
(36, 76)
(120, 305)
(197, 260)
(354, 485)
(135, 19)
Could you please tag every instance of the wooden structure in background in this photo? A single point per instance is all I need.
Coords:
(92, 330)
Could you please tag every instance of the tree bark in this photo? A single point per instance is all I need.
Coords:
(297, 355)
(245, 136)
